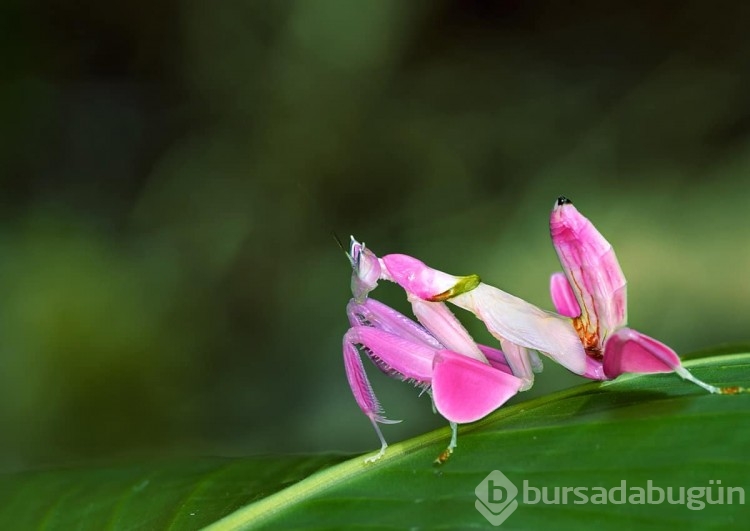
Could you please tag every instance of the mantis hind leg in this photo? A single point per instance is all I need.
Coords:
(628, 350)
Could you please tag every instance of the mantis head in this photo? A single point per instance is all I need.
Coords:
(366, 270)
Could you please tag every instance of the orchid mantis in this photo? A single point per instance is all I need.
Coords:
(592, 290)
(467, 381)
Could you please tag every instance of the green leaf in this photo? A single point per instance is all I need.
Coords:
(635, 429)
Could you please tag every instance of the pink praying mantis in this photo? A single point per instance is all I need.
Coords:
(466, 381)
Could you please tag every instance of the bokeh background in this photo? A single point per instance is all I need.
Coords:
(172, 172)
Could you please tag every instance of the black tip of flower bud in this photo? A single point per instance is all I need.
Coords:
(562, 200)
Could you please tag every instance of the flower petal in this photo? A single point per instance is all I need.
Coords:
(630, 351)
(465, 390)
(522, 323)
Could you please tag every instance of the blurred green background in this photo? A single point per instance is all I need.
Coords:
(172, 173)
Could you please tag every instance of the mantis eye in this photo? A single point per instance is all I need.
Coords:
(354, 252)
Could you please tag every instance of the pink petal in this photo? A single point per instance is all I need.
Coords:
(423, 281)
(440, 321)
(630, 351)
(465, 390)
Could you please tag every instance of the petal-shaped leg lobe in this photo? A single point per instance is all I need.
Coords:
(465, 390)
(510, 318)
(630, 351)
(563, 297)
(440, 321)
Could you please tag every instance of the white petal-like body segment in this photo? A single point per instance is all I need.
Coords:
(522, 323)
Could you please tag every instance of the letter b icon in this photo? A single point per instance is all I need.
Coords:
(496, 497)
